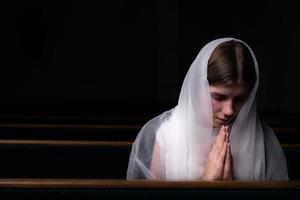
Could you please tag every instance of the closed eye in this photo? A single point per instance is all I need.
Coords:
(219, 97)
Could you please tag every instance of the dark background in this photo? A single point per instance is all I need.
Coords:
(87, 57)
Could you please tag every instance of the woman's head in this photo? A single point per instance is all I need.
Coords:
(231, 76)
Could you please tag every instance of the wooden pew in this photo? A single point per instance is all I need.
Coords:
(84, 159)
(44, 131)
(292, 155)
(288, 135)
(44, 189)
(63, 159)
(100, 132)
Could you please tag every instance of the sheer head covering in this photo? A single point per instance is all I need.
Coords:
(185, 134)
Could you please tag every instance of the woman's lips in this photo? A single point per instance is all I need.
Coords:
(222, 120)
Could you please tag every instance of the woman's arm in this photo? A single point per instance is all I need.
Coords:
(156, 167)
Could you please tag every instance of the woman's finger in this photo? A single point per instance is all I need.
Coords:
(214, 145)
(227, 166)
(231, 163)
(222, 155)
(218, 144)
(226, 134)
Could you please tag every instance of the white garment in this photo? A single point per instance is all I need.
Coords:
(185, 134)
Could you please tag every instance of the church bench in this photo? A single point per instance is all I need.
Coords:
(44, 189)
(84, 159)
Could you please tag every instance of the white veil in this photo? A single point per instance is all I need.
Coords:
(185, 134)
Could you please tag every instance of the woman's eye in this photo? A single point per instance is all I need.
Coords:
(218, 97)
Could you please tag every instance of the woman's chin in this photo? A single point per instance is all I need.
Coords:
(217, 125)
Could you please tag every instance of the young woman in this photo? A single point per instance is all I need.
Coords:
(214, 133)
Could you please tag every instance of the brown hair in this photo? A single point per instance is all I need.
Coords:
(231, 63)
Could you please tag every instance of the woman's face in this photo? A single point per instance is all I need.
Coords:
(227, 102)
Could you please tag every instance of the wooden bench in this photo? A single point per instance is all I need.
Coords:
(100, 132)
(84, 159)
(44, 189)
(93, 132)
(63, 159)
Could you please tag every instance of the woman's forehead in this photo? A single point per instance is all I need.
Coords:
(230, 90)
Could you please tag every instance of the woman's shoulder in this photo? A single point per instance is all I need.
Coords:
(151, 127)
(275, 159)
(157, 121)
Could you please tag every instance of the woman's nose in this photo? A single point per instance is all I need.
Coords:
(228, 109)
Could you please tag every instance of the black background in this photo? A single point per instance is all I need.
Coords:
(86, 56)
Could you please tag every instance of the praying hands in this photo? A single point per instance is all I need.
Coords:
(219, 163)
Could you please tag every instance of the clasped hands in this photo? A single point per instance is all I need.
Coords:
(219, 163)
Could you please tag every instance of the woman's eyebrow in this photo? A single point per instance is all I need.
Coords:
(219, 94)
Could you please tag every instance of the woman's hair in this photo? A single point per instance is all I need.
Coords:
(231, 63)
